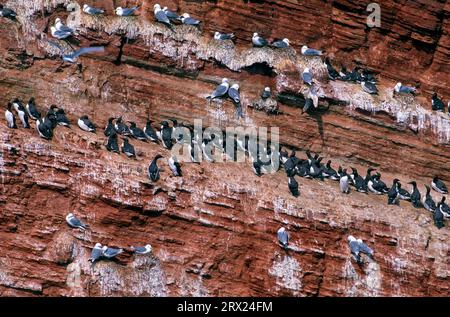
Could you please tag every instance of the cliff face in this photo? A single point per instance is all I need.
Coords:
(213, 231)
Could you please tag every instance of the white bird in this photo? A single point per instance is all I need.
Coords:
(399, 88)
(60, 35)
(357, 246)
(161, 16)
(96, 253)
(259, 41)
(85, 124)
(186, 19)
(175, 166)
(221, 90)
(310, 51)
(74, 222)
(283, 237)
(110, 253)
(91, 10)
(223, 36)
(142, 250)
(125, 12)
(61, 27)
(281, 43)
(307, 76)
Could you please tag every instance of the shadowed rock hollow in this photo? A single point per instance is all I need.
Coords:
(213, 231)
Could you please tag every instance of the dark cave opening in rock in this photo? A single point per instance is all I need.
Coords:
(260, 69)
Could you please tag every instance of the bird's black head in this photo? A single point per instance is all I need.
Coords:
(292, 153)
(434, 95)
(110, 120)
(427, 188)
(9, 106)
(435, 179)
(164, 123)
(158, 156)
(31, 100)
(354, 170)
(413, 183)
(396, 180)
(443, 199)
(125, 140)
(16, 100)
(119, 119)
(370, 170)
(52, 107)
(83, 117)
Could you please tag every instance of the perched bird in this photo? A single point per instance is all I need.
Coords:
(375, 187)
(150, 132)
(112, 145)
(153, 169)
(437, 104)
(353, 76)
(85, 124)
(161, 16)
(379, 183)
(127, 148)
(403, 194)
(310, 52)
(332, 73)
(72, 57)
(328, 171)
(439, 185)
(259, 41)
(358, 181)
(233, 93)
(344, 182)
(207, 148)
(223, 36)
(110, 253)
(7, 13)
(136, 132)
(171, 15)
(357, 247)
(32, 109)
(393, 193)
(45, 125)
(23, 116)
(60, 35)
(9, 116)
(74, 222)
(344, 72)
(186, 19)
(293, 186)
(91, 10)
(428, 201)
(121, 128)
(283, 237)
(166, 135)
(399, 88)
(307, 76)
(61, 27)
(61, 118)
(109, 128)
(438, 216)
(444, 208)
(142, 250)
(220, 91)
(266, 93)
(125, 12)
(369, 87)
(280, 43)
(415, 195)
(96, 253)
(174, 165)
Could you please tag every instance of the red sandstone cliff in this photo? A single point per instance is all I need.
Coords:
(213, 231)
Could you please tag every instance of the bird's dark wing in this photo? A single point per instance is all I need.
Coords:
(87, 50)
(162, 17)
(234, 94)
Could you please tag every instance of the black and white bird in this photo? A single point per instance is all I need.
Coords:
(91, 10)
(259, 41)
(136, 132)
(85, 124)
(379, 183)
(307, 76)
(357, 246)
(112, 145)
(310, 51)
(393, 198)
(128, 148)
(332, 72)
(223, 36)
(72, 57)
(61, 117)
(369, 87)
(444, 208)
(208, 147)
(266, 93)
(45, 125)
(439, 185)
(400, 89)
(9, 116)
(293, 186)
(142, 250)
(153, 169)
(74, 222)
(110, 253)
(7, 13)
(220, 91)
(344, 182)
(150, 132)
(283, 237)
(174, 165)
(328, 171)
(121, 128)
(96, 253)
(186, 19)
(61, 27)
(438, 215)
(125, 12)
(358, 181)
(160, 16)
(23, 115)
(171, 15)
(403, 194)
(436, 103)
(428, 201)
(109, 128)
(16, 104)
(32, 109)
(415, 195)
(165, 135)
(280, 43)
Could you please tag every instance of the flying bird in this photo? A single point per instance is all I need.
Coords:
(74, 222)
(72, 57)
